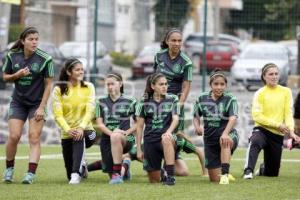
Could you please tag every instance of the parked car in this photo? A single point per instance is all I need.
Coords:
(79, 50)
(57, 57)
(143, 63)
(247, 68)
(219, 55)
(193, 44)
(292, 45)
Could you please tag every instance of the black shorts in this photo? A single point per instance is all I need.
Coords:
(20, 111)
(213, 152)
(153, 156)
(107, 159)
(89, 138)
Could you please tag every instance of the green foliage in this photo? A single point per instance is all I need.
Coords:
(51, 181)
(269, 19)
(14, 32)
(170, 14)
(121, 59)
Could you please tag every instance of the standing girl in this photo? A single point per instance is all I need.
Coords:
(219, 110)
(158, 111)
(74, 108)
(31, 70)
(178, 69)
(272, 112)
(113, 115)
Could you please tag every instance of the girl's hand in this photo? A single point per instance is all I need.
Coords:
(225, 140)
(23, 72)
(199, 130)
(72, 133)
(140, 154)
(284, 129)
(79, 134)
(39, 114)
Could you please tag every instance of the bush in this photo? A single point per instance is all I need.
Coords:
(121, 59)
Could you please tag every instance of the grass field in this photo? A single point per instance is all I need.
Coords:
(51, 181)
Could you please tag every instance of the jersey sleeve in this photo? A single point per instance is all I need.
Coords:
(188, 71)
(90, 107)
(7, 66)
(58, 110)
(49, 69)
(155, 62)
(176, 107)
(197, 111)
(288, 111)
(232, 108)
(132, 109)
(140, 109)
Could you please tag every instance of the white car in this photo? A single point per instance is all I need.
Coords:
(247, 67)
(79, 50)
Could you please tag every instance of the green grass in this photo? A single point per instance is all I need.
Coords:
(51, 182)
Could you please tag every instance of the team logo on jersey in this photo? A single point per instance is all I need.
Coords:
(17, 65)
(177, 68)
(34, 67)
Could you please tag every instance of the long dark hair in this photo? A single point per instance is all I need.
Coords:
(151, 79)
(265, 69)
(163, 44)
(215, 74)
(118, 77)
(18, 44)
(64, 77)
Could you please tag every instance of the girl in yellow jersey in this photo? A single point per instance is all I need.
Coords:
(272, 113)
(74, 108)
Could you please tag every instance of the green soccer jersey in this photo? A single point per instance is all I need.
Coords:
(116, 114)
(29, 89)
(157, 115)
(215, 114)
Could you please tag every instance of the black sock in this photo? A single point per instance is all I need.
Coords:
(225, 168)
(10, 163)
(117, 168)
(170, 170)
(32, 167)
(125, 165)
(97, 165)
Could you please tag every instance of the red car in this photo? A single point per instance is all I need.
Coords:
(219, 55)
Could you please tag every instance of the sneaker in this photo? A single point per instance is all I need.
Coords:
(261, 170)
(116, 179)
(231, 178)
(169, 180)
(85, 172)
(127, 176)
(8, 175)
(28, 178)
(75, 179)
(224, 180)
(163, 175)
(248, 174)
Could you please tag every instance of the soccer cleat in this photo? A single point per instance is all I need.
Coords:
(163, 175)
(116, 179)
(75, 179)
(85, 172)
(127, 176)
(8, 175)
(224, 180)
(248, 174)
(28, 178)
(231, 178)
(169, 180)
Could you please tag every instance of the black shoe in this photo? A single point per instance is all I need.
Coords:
(248, 174)
(170, 180)
(163, 175)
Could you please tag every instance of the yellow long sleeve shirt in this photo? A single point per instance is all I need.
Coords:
(74, 109)
(272, 107)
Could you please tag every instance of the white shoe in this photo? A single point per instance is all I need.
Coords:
(248, 175)
(75, 178)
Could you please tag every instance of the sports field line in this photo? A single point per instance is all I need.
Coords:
(94, 156)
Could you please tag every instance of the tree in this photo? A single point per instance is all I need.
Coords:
(170, 14)
(268, 19)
